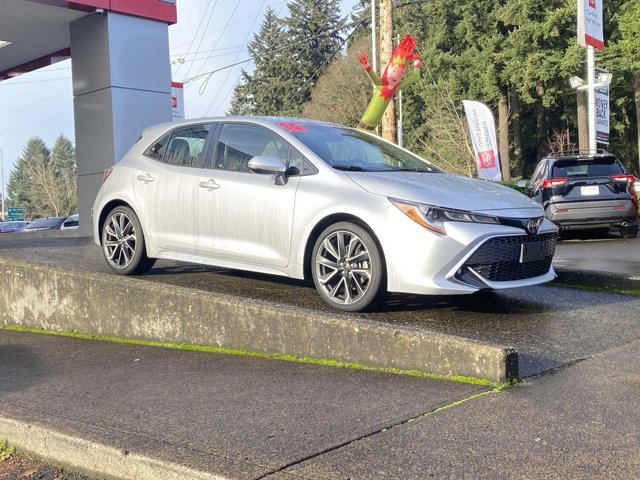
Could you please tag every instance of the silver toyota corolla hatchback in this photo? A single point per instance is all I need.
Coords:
(306, 199)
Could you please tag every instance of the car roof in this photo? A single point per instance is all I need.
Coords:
(581, 155)
(158, 129)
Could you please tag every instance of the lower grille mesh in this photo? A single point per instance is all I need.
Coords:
(498, 259)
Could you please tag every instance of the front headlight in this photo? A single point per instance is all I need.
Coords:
(433, 218)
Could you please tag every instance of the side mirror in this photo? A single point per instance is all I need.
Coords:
(267, 164)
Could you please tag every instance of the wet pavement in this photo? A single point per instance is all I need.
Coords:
(548, 325)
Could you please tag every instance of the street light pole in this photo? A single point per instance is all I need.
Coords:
(591, 90)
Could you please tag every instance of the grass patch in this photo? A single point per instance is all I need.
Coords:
(246, 353)
(6, 450)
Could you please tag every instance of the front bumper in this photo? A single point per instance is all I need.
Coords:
(469, 258)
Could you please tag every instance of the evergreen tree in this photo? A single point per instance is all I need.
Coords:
(63, 156)
(264, 91)
(314, 32)
(18, 185)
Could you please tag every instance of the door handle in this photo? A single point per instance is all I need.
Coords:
(209, 185)
(146, 178)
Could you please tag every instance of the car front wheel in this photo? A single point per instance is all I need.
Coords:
(123, 243)
(347, 267)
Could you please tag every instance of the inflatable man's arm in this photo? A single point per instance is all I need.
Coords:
(364, 61)
(415, 74)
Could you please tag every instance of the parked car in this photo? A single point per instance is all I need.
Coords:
(13, 226)
(71, 223)
(302, 198)
(581, 190)
(48, 223)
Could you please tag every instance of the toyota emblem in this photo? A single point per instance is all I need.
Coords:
(533, 225)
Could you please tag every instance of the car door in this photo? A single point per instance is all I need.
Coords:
(245, 216)
(165, 185)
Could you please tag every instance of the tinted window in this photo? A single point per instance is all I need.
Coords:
(593, 168)
(298, 165)
(238, 144)
(157, 148)
(186, 147)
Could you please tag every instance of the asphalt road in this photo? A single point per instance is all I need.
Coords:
(548, 325)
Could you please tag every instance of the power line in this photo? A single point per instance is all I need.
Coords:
(281, 3)
(195, 34)
(319, 69)
(4, 114)
(229, 71)
(4, 83)
(202, 38)
(220, 37)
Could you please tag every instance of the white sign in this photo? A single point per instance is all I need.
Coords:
(590, 23)
(602, 110)
(482, 128)
(177, 100)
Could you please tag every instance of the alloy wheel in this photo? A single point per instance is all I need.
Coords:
(120, 240)
(343, 267)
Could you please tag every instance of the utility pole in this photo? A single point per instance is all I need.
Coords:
(386, 48)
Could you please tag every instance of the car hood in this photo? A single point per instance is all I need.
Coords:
(445, 190)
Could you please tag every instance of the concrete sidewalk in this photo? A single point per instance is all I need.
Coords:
(138, 412)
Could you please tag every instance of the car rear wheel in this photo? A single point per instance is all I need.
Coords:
(123, 243)
(629, 232)
(347, 267)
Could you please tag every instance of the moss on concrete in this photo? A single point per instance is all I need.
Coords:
(240, 352)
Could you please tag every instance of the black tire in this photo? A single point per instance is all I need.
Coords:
(352, 285)
(123, 244)
(629, 232)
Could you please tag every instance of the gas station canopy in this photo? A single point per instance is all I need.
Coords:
(35, 33)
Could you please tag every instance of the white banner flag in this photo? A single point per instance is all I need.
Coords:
(602, 110)
(482, 127)
(590, 23)
(177, 100)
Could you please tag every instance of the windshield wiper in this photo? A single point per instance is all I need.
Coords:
(405, 170)
(353, 168)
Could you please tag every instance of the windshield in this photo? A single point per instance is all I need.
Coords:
(593, 168)
(350, 149)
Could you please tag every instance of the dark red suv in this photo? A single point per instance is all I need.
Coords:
(582, 190)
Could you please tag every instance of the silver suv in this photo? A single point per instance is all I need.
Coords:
(581, 190)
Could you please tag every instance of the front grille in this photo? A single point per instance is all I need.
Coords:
(498, 259)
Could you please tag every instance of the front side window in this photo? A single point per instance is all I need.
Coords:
(238, 144)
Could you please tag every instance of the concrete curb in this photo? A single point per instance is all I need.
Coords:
(93, 458)
(40, 296)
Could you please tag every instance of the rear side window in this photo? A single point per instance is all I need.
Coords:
(184, 146)
(592, 168)
(156, 149)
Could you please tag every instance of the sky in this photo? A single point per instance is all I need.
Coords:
(210, 34)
